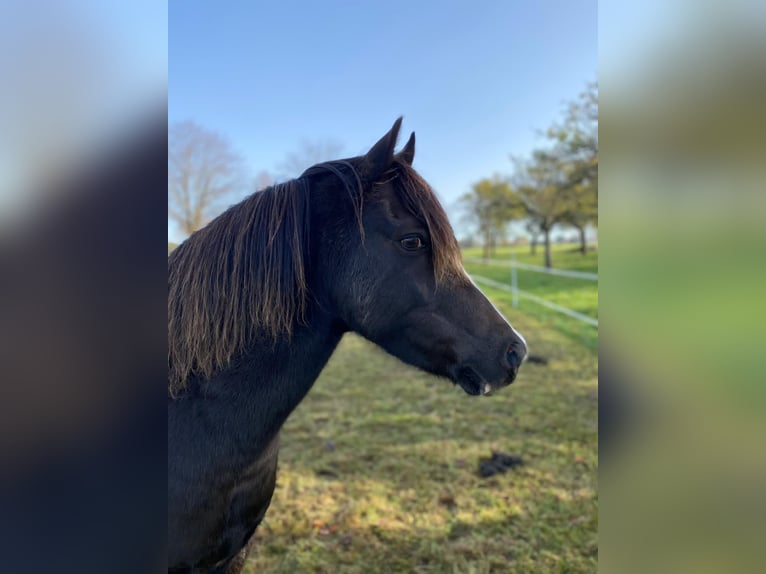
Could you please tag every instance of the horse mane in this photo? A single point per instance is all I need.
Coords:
(245, 273)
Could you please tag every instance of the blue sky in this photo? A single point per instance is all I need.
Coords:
(475, 80)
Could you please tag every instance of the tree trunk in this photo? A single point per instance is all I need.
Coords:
(485, 249)
(583, 244)
(533, 245)
(547, 235)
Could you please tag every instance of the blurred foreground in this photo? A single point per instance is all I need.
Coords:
(682, 211)
(83, 152)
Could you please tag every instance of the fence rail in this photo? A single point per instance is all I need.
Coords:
(514, 287)
(536, 299)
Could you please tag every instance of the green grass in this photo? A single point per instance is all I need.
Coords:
(563, 256)
(398, 490)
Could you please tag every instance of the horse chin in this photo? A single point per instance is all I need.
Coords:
(471, 382)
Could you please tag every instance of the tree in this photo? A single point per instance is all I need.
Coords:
(310, 153)
(204, 172)
(540, 184)
(490, 206)
(576, 147)
(534, 234)
(581, 210)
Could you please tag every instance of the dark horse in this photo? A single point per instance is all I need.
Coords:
(258, 301)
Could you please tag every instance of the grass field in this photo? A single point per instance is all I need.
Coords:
(564, 256)
(378, 468)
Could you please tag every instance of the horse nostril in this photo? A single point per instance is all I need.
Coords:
(514, 359)
(516, 354)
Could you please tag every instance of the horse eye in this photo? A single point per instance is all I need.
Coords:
(412, 243)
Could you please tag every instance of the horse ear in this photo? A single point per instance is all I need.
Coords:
(380, 156)
(407, 155)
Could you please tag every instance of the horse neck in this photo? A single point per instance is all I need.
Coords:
(270, 380)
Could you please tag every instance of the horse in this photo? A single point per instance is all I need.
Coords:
(258, 301)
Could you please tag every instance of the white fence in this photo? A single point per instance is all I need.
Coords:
(514, 288)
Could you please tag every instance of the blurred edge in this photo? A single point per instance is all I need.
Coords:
(83, 169)
(682, 206)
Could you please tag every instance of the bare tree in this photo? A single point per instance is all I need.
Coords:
(204, 172)
(310, 153)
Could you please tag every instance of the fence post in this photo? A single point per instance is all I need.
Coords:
(514, 278)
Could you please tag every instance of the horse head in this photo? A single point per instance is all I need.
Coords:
(391, 270)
